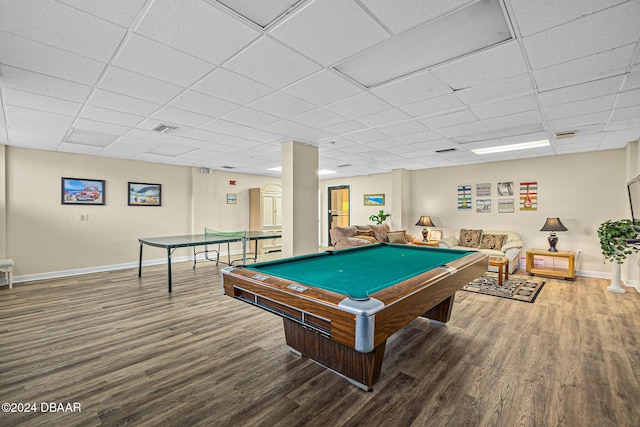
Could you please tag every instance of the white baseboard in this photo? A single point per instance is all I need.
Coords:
(102, 268)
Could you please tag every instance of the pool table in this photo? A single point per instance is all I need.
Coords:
(339, 307)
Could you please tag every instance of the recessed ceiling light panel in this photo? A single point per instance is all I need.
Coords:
(511, 147)
(469, 29)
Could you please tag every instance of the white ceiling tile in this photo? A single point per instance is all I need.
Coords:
(180, 117)
(40, 58)
(227, 127)
(533, 17)
(344, 127)
(594, 67)
(96, 139)
(110, 116)
(58, 25)
(598, 32)
(629, 98)
(401, 129)
(411, 89)
(633, 79)
(139, 86)
(358, 106)
(440, 104)
(170, 149)
(281, 104)
(587, 106)
(512, 120)
(203, 104)
(322, 88)
(197, 28)
(121, 12)
(287, 127)
(40, 102)
(385, 117)
(319, 117)
(28, 81)
(629, 123)
(401, 15)
(580, 92)
(626, 113)
(36, 116)
(578, 122)
(95, 126)
(250, 117)
(466, 129)
(271, 63)
(147, 134)
(368, 135)
(505, 107)
(450, 119)
(70, 147)
(232, 87)
(262, 136)
(153, 59)
(25, 133)
(420, 137)
(205, 135)
(505, 88)
(117, 102)
(340, 29)
(487, 66)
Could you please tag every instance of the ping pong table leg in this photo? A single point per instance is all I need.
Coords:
(140, 262)
(169, 267)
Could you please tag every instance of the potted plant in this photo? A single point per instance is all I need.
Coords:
(612, 235)
(380, 218)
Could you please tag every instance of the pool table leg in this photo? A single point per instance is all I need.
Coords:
(361, 369)
(441, 313)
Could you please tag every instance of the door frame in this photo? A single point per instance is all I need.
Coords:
(329, 215)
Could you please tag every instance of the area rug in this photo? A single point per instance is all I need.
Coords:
(517, 288)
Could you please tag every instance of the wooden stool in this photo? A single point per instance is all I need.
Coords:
(6, 266)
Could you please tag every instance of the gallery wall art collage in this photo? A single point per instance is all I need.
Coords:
(505, 191)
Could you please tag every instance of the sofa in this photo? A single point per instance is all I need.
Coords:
(361, 235)
(506, 244)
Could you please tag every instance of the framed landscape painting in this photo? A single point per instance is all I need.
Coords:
(142, 194)
(374, 199)
(80, 191)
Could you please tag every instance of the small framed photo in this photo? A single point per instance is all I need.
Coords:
(81, 191)
(374, 199)
(232, 199)
(143, 194)
(434, 235)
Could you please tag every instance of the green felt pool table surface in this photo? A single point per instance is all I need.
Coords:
(359, 272)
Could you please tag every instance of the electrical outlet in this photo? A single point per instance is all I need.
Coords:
(84, 217)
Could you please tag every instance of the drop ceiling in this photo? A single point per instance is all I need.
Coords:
(237, 78)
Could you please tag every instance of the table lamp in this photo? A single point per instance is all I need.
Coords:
(553, 225)
(425, 221)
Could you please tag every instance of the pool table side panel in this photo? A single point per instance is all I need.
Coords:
(343, 324)
(364, 368)
(403, 311)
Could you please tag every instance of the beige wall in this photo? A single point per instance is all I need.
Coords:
(44, 236)
(582, 189)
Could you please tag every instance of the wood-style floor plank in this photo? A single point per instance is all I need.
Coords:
(132, 354)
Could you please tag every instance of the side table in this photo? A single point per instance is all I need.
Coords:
(565, 273)
(503, 267)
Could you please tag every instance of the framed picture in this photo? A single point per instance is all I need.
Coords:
(434, 235)
(80, 191)
(464, 197)
(231, 199)
(142, 194)
(505, 188)
(374, 199)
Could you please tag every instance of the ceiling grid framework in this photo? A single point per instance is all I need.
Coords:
(97, 77)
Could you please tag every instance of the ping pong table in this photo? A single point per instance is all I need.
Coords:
(210, 237)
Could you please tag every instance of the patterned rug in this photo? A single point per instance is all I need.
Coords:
(517, 288)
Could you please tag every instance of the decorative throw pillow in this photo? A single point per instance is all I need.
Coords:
(492, 241)
(398, 237)
(470, 238)
(370, 239)
(365, 233)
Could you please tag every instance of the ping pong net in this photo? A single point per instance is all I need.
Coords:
(225, 233)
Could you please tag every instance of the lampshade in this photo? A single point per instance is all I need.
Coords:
(425, 221)
(553, 224)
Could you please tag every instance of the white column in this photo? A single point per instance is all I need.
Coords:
(299, 199)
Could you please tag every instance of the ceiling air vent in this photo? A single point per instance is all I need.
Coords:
(228, 167)
(568, 134)
(345, 165)
(445, 150)
(164, 128)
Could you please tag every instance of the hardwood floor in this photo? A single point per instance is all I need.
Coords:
(131, 354)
